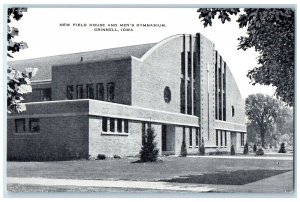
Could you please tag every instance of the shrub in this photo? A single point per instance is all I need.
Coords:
(282, 148)
(232, 150)
(148, 152)
(117, 156)
(183, 151)
(260, 152)
(202, 148)
(254, 148)
(246, 149)
(101, 156)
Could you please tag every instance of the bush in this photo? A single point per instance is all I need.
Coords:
(101, 156)
(148, 152)
(246, 149)
(232, 150)
(260, 152)
(254, 148)
(117, 156)
(202, 148)
(183, 151)
(282, 148)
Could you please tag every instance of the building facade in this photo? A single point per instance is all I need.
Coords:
(101, 102)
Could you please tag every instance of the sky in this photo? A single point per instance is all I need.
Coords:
(40, 29)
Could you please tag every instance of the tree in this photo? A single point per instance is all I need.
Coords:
(202, 147)
(271, 33)
(282, 148)
(232, 150)
(183, 151)
(18, 83)
(246, 149)
(148, 151)
(262, 110)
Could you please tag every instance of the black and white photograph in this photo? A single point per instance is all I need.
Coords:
(173, 99)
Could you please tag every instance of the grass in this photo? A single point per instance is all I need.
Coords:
(118, 169)
(239, 177)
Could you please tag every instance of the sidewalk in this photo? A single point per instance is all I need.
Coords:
(284, 158)
(282, 183)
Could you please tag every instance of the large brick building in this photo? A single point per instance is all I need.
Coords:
(100, 102)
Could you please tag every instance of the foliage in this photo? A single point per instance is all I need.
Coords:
(260, 152)
(232, 150)
(254, 148)
(246, 149)
(270, 31)
(183, 151)
(148, 152)
(202, 147)
(262, 110)
(101, 156)
(18, 83)
(282, 148)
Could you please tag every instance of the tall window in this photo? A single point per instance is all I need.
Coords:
(189, 64)
(197, 137)
(217, 137)
(110, 91)
(189, 98)
(34, 125)
(112, 124)
(104, 124)
(182, 97)
(90, 91)
(225, 138)
(183, 64)
(79, 91)
(70, 90)
(221, 138)
(242, 139)
(191, 137)
(100, 91)
(19, 125)
(126, 126)
(119, 125)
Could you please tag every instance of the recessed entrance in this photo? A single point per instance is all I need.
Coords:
(167, 139)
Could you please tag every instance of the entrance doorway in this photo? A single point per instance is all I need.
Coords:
(168, 139)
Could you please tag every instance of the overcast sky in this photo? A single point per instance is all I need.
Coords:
(40, 28)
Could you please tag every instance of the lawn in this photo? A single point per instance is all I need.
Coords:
(170, 168)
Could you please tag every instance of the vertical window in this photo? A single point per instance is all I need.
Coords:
(189, 64)
(90, 91)
(182, 97)
(126, 126)
(183, 131)
(112, 124)
(104, 124)
(189, 98)
(36, 95)
(100, 91)
(194, 65)
(34, 125)
(216, 86)
(143, 132)
(183, 64)
(119, 125)
(217, 137)
(110, 91)
(46, 94)
(19, 125)
(242, 139)
(197, 137)
(70, 90)
(225, 138)
(191, 137)
(79, 91)
(221, 134)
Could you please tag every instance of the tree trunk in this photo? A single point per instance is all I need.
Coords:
(262, 136)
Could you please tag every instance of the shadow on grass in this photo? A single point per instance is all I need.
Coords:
(239, 177)
(139, 161)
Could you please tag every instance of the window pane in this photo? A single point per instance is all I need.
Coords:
(70, 92)
(90, 91)
(104, 124)
(191, 137)
(225, 138)
(112, 124)
(126, 126)
(79, 91)
(110, 91)
(34, 125)
(217, 137)
(119, 125)
(189, 64)
(36, 95)
(100, 91)
(197, 137)
(20, 125)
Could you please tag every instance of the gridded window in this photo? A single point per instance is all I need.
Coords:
(79, 91)
(112, 124)
(111, 91)
(70, 90)
(100, 91)
(19, 125)
(90, 91)
(119, 125)
(41, 94)
(34, 125)
(104, 124)
(126, 126)
(191, 137)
